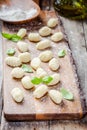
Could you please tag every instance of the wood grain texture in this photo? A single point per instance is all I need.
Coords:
(42, 109)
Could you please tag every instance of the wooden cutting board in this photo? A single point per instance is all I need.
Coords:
(44, 108)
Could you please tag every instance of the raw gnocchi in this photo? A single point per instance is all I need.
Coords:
(56, 79)
(13, 61)
(46, 56)
(22, 46)
(34, 37)
(17, 73)
(55, 96)
(17, 95)
(40, 91)
(56, 37)
(45, 31)
(43, 44)
(25, 57)
(52, 22)
(41, 73)
(26, 82)
(35, 63)
(22, 32)
(54, 64)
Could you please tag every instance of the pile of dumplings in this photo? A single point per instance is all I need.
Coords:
(45, 56)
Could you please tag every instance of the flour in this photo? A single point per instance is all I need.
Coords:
(16, 14)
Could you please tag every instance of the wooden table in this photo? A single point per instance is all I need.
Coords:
(76, 32)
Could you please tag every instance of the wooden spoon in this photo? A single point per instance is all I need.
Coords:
(18, 11)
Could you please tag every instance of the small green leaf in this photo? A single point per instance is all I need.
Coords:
(61, 53)
(36, 80)
(10, 52)
(47, 79)
(66, 94)
(27, 69)
(12, 37)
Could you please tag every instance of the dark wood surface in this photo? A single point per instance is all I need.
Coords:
(77, 35)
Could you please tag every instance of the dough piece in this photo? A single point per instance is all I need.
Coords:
(26, 82)
(45, 31)
(25, 57)
(46, 56)
(54, 64)
(40, 91)
(17, 95)
(17, 73)
(40, 73)
(22, 46)
(56, 79)
(56, 96)
(56, 37)
(43, 44)
(52, 22)
(35, 63)
(22, 32)
(34, 37)
(13, 61)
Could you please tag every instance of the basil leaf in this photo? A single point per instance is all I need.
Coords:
(47, 79)
(12, 37)
(36, 80)
(10, 52)
(61, 53)
(66, 94)
(27, 69)
(7, 36)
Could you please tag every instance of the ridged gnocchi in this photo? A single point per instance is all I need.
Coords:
(55, 96)
(26, 82)
(17, 95)
(45, 31)
(54, 64)
(40, 91)
(43, 44)
(34, 37)
(22, 46)
(56, 79)
(41, 73)
(25, 57)
(46, 56)
(13, 61)
(17, 73)
(22, 32)
(52, 22)
(56, 37)
(35, 63)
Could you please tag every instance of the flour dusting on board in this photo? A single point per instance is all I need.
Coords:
(16, 14)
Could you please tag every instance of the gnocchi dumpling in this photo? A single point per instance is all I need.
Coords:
(41, 73)
(40, 91)
(13, 61)
(56, 37)
(52, 22)
(45, 31)
(56, 96)
(56, 79)
(17, 95)
(43, 44)
(22, 46)
(35, 63)
(54, 64)
(17, 73)
(22, 32)
(34, 37)
(24, 57)
(26, 82)
(46, 56)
